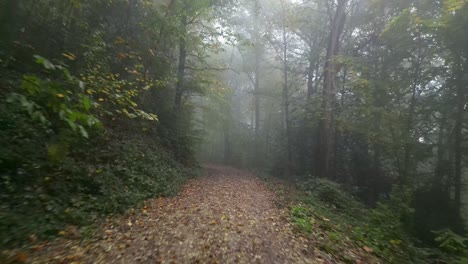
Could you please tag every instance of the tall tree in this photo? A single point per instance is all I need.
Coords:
(326, 138)
(182, 57)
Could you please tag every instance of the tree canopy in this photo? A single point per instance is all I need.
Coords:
(370, 94)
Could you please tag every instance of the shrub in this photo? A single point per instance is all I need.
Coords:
(450, 242)
(60, 165)
(332, 195)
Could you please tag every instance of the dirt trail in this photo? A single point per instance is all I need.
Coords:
(226, 216)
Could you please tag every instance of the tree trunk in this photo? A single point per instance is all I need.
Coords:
(162, 41)
(8, 27)
(438, 183)
(227, 132)
(310, 76)
(326, 138)
(257, 70)
(257, 145)
(409, 122)
(459, 138)
(182, 61)
(286, 98)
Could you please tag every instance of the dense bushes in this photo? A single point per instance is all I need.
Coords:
(105, 174)
(340, 222)
(88, 123)
(61, 165)
(330, 194)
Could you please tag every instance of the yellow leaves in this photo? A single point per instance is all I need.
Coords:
(59, 95)
(105, 90)
(108, 87)
(454, 5)
(120, 41)
(69, 56)
(418, 20)
(395, 242)
(62, 233)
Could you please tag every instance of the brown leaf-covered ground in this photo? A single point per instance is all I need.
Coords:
(226, 216)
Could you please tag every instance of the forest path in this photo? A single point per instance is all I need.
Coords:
(226, 216)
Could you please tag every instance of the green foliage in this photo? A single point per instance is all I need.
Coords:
(450, 242)
(301, 218)
(75, 148)
(323, 223)
(141, 172)
(332, 195)
(116, 96)
(385, 230)
(57, 104)
(106, 175)
(60, 166)
(382, 231)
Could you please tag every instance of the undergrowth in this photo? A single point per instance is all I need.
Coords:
(72, 152)
(50, 181)
(343, 227)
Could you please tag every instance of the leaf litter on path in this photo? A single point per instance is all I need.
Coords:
(226, 216)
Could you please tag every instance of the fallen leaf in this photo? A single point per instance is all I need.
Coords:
(37, 248)
(368, 249)
(20, 257)
(33, 238)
